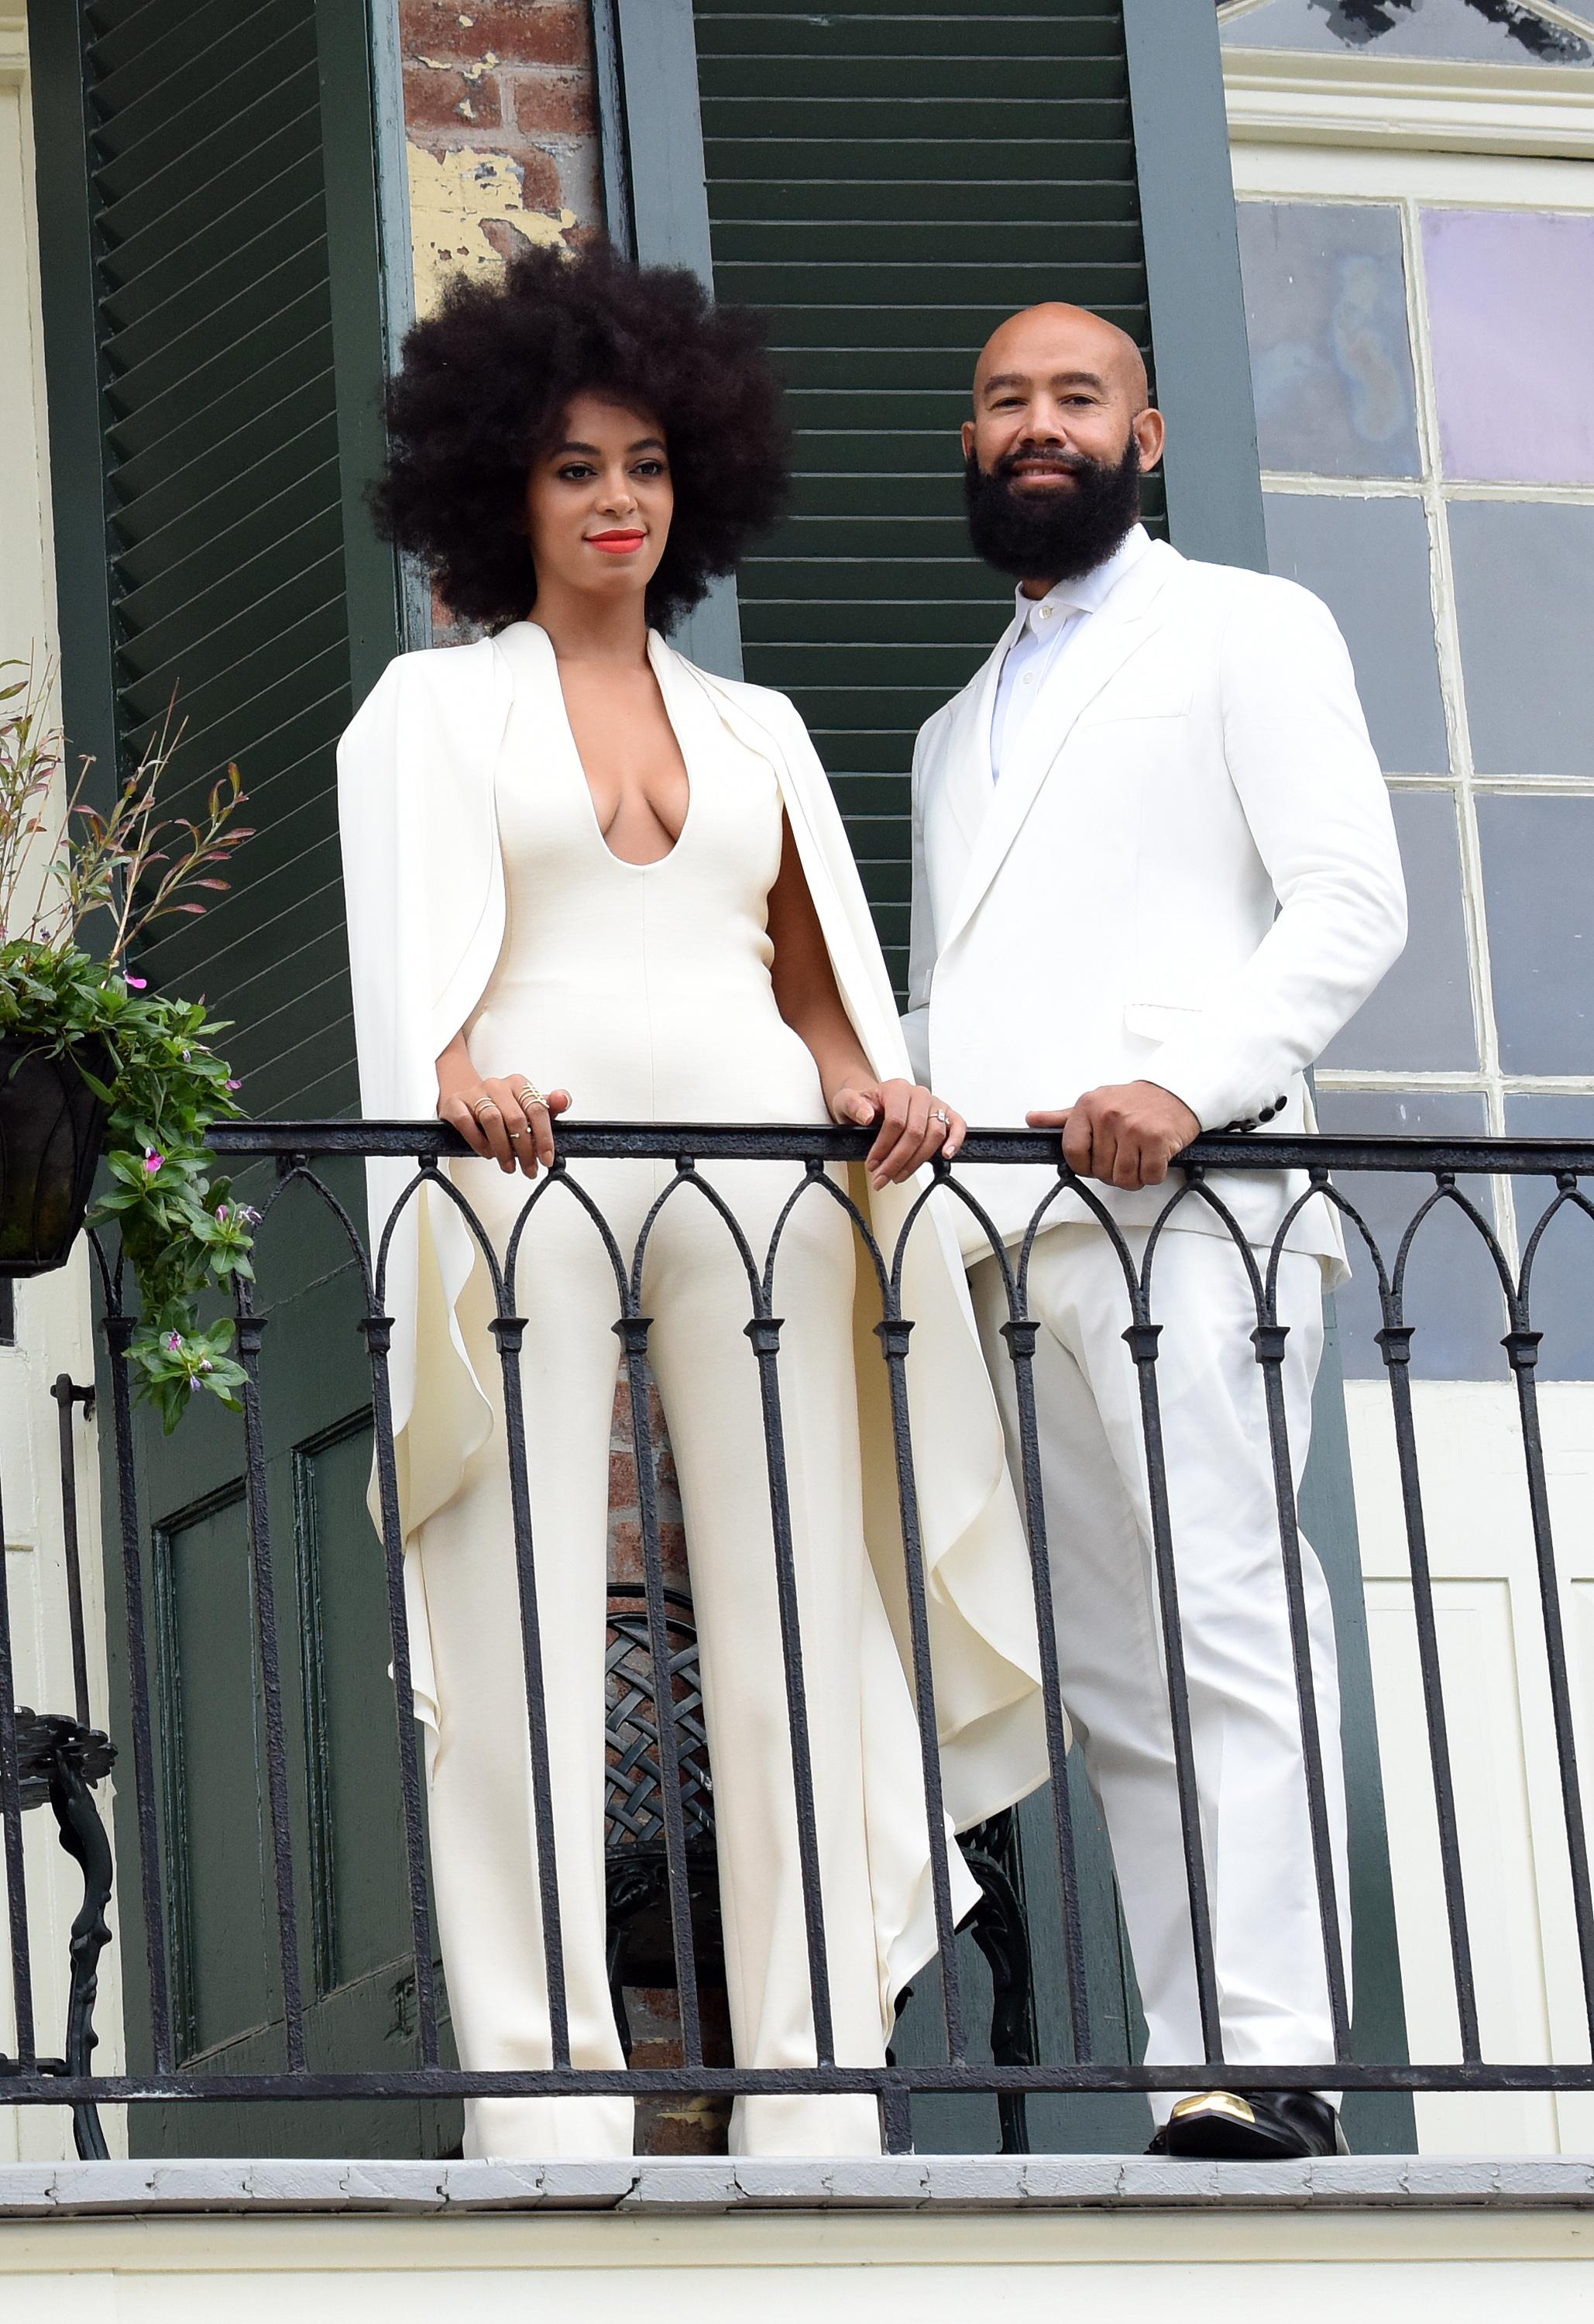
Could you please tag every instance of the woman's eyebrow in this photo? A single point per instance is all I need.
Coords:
(642, 444)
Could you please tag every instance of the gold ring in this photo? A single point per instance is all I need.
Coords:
(481, 1105)
(530, 1095)
(518, 1133)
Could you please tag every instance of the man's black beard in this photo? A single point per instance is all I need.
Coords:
(1052, 532)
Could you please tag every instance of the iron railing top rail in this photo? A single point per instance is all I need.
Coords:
(1322, 1151)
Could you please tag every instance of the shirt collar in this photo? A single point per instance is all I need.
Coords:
(1091, 590)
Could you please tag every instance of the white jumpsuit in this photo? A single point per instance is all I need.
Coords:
(645, 990)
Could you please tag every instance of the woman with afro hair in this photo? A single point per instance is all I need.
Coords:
(583, 873)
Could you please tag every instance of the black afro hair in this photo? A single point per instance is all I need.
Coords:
(484, 387)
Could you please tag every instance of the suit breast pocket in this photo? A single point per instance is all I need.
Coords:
(1166, 695)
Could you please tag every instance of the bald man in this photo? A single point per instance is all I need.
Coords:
(1155, 872)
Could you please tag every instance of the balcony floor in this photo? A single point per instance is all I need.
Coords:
(701, 2186)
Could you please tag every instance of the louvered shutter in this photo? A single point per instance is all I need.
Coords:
(211, 235)
(224, 496)
(887, 183)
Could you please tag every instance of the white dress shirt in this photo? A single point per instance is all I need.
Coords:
(1051, 625)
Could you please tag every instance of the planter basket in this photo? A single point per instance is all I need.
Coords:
(51, 1128)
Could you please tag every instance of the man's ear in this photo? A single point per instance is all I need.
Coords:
(968, 438)
(1151, 436)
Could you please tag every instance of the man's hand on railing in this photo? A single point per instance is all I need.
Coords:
(1126, 1135)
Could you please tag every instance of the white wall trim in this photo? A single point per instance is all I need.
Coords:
(1408, 105)
(13, 44)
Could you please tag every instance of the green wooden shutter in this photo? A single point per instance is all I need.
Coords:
(213, 235)
(887, 183)
(207, 489)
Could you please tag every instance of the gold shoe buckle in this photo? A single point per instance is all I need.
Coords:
(1206, 2104)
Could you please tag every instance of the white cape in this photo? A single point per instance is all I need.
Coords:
(424, 884)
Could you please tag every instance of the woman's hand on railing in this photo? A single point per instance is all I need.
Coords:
(505, 1117)
(915, 1125)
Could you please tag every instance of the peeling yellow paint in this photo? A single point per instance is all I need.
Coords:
(454, 198)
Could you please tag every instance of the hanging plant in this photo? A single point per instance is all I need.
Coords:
(75, 1018)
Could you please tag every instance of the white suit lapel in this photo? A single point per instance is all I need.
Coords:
(965, 773)
(1109, 636)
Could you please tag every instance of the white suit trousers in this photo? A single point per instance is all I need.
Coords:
(1245, 1717)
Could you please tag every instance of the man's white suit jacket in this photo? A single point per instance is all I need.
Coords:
(1187, 874)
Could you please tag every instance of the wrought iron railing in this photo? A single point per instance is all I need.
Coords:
(660, 1789)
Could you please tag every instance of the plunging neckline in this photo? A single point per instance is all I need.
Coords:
(625, 862)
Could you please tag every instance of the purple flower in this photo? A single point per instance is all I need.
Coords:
(139, 983)
(152, 1162)
(249, 1216)
(235, 1085)
(175, 1343)
(221, 1214)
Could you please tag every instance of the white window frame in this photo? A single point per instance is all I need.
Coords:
(1461, 145)
(1411, 182)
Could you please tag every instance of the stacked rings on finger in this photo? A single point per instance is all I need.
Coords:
(530, 1095)
(481, 1105)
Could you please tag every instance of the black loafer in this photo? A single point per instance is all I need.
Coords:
(1250, 2127)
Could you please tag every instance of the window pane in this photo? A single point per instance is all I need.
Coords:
(1482, 32)
(1511, 311)
(1538, 892)
(1453, 1292)
(1561, 1290)
(1420, 1019)
(1330, 361)
(1522, 594)
(1330, 546)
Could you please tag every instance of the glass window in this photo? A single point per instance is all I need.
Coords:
(1511, 314)
(1330, 363)
(1561, 1288)
(1538, 888)
(1470, 32)
(1331, 545)
(1420, 1019)
(1523, 601)
(1452, 1291)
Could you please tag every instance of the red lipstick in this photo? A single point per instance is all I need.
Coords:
(617, 543)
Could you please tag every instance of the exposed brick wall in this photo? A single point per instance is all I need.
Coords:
(498, 99)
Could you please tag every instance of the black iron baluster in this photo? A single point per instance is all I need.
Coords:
(1521, 1347)
(893, 1332)
(1269, 1340)
(378, 1331)
(632, 1329)
(764, 1332)
(1141, 1339)
(11, 1818)
(118, 1332)
(1395, 1342)
(257, 1518)
(509, 1332)
(83, 1836)
(1021, 1332)
(65, 1394)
